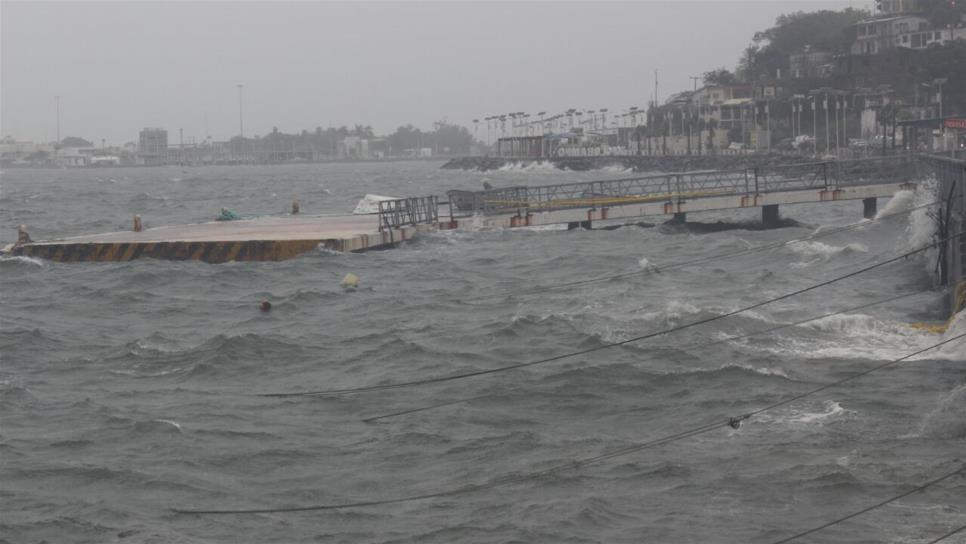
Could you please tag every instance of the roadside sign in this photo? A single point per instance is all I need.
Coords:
(957, 123)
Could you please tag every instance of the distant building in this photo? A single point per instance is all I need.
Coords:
(811, 64)
(876, 36)
(941, 36)
(105, 160)
(354, 147)
(153, 146)
(14, 152)
(899, 6)
(74, 156)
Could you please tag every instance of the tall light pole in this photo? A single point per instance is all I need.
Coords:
(814, 125)
(241, 124)
(837, 147)
(57, 108)
(828, 141)
(939, 82)
(241, 118)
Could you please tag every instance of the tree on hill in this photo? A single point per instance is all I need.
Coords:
(948, 62)
(942, 13)
(824, 30)
(74, 141)
(406, 137)
(720, 76)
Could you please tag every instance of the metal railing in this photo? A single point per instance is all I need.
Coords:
(394, 214)
(680, 186)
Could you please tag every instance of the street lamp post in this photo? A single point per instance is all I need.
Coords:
(768, 127)
(845, 121)
(814, 125)
(241, 121)
(241, 118)
(57, 103)
(837, 147)
(939, 82)
(828, 141)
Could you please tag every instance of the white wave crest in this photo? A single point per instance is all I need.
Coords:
(858, 336)
(922, 227)
(946, 420)
(764, 371)
(370, 204)
(674, 310)
(802, 417)
(826, 252)
(174, 424)
(23, 260)
(535, 166)
(900, 202)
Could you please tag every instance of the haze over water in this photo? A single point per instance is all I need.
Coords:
(128, 389)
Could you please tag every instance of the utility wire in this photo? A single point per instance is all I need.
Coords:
(473, 374)
(710, 258)
(692, 347)
(930, 483)
(947, 535)
(733, 422)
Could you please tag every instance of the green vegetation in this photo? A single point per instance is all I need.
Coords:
(825, 30)
(720, 76)
(74, 141)
(948, 61)
(942, 13)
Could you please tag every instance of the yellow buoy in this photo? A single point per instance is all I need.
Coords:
(350, 281)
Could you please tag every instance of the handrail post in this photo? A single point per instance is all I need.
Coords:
(757, 192)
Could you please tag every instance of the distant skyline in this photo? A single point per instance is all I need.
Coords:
(120, 67)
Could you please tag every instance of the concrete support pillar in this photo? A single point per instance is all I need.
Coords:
(573, 225)
(869, 207)
(769, 216)
(680, 217)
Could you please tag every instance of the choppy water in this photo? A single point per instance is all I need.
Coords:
(129, 389)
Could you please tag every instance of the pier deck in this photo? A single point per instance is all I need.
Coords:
(578, 204)
(675, 206)
(263, 239)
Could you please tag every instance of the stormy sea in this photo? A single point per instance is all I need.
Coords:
(133, 394)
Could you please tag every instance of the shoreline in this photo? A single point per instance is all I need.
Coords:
(635, 163)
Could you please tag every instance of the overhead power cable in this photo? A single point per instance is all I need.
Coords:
(706, 259)
(947, 535)
(476, 373)
(691, 347)
(734, 422)
(917, 489)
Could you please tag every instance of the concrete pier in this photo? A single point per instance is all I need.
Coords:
(869, 207)
(578, 205)
(265, 239)
(769, 216)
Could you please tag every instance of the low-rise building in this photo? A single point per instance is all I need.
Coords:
(928, 38)
(153, 146)
(74, 156)
(811, 64)
(877, 35)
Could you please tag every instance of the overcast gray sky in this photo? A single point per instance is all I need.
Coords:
(119, 67)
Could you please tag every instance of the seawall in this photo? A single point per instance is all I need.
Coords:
(636, 163)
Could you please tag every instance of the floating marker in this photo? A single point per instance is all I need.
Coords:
(350, 282)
